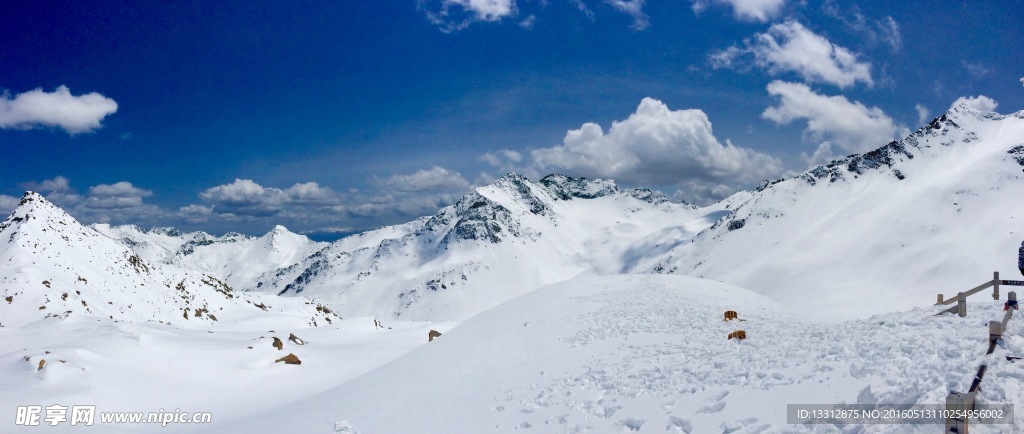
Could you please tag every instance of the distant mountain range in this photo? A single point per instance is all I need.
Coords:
(937, 211)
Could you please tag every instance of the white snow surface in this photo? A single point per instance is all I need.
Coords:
(648, 353)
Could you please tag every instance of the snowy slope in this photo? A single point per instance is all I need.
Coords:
(501, 241)
(227, 369)
(235, 258)
(648, 353)
(52, 266)
(936, 212)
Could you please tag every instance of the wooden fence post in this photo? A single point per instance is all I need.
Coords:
(940, 299)
(961, 305)
(956, 403)
(995, 285)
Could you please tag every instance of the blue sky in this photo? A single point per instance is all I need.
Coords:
(331, 117)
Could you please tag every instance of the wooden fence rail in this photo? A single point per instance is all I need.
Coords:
(961, 297)
(965, 401)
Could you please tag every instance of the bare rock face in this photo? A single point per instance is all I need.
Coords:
(42, 362)
(295, 339)
(731, 315)
(738, 334)
(278, 344)
(290, 359)
(433, 334)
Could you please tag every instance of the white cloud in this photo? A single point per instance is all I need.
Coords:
(120, 196)
(247, 198)
(922, 114)
(702, 192)
(656, 146)
(434, 179)
(823, 154)
(851, 126)
(980, 103)
(455, 15)
(502, 159)
(58, 184)
(8, 204)
(74, 114)
(745, 10)
(528, 22)
(885, 30)
(118, 189)
(977, 70)
(195, 213)
(1022, 81)
(633, 8)
(791, 47)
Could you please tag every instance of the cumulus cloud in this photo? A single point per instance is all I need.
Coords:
(455, 15)
(633, 8)
(118, 189)
(823, 154)
(117, 196)
(745, 10)
(8, 204)
(120, 202)
(244, 197)
(58, 184)
(980, 103)
(434, 179)
(1022, 81)
(61, 109)
(851, 126)
(922, 114)
(791, 47)
(656, 146)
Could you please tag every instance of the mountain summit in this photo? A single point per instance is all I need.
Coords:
(53, 266)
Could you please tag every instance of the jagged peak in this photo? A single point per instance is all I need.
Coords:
(566, 187)
(32, 202)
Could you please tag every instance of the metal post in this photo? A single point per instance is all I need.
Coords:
(957, 404)
(995, 285)
(961, 305)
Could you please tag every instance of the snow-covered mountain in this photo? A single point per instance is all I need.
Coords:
(885, 230)
(235, 258)
(935, 212)
(500, 241)
(53, 266)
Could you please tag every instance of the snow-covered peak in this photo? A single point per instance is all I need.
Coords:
(35, 215)
(565, 188)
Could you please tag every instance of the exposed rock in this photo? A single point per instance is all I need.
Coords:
(290, 359)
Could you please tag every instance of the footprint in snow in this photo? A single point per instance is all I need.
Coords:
(632, 424)
(679, 425)
(713, 408)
